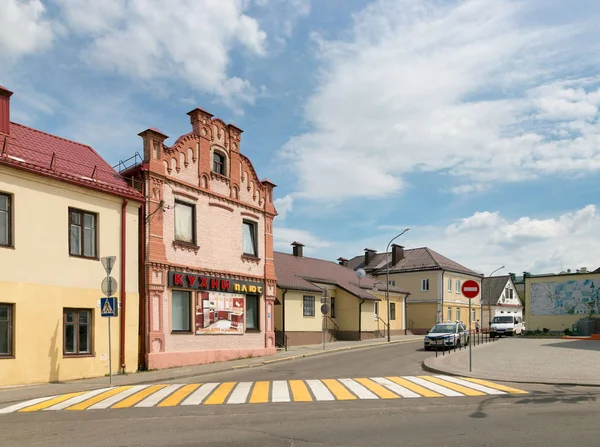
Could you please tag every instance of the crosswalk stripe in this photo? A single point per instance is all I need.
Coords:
(175, 398)
(132, 400)
(338, 390)
(117, 397)
(398, 389)
(415, 388)
(281, 393)
(28, 403)
(49, 403)
(475, 386)
(260, 393)
(240, 393)
(495, 386)
(77, 399)
(458, 388)
(99, 397)
(319, 390)
(381, 392)
(433, 386)
(300, 392)
(200, 394)
(155, 398)
(220, 394)
(358, 389)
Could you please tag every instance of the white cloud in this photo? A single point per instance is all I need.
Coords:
(24, 28)
(469, 88)
(283, 205)
(478, 220)
(190, 40)
(283, 237)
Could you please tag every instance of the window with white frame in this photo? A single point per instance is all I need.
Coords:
(5, 220)
(376, 310)
(180, 311)
(458, 286)
(185, 222)
(249, 238)
(458, 314)
(449, 284)
(424, 285)
(511, 294)
(449, 314)
(474, 315)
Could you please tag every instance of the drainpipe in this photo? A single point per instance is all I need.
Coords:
(142, 286)
(359, 320)
(123, 276)
(283, 311)
(441, 317)
(404, 315)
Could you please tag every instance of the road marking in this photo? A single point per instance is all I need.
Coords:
(200, 394)
(220, 394)
(495, 386)
(458, 388)
(475, 386)
(171, 395)
(281, 393)
(132, 400)
(117, 398)
(381, 392)
(260, 393)
(319, 390)
(175, 398)
(358, 389)
(240, 393)
(440, 389)
(99, 397)
(398, 389)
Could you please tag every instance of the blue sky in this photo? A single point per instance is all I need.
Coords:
(474, 123)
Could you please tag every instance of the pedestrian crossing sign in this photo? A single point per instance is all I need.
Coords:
(109, 307)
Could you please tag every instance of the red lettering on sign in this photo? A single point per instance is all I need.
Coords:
(178, 279)
(203, 281)
(214, 283)
(192, 280)
(225, 285)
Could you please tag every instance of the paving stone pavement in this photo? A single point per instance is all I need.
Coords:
(522, 360)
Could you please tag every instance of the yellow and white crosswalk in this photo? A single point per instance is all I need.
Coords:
(278, 391)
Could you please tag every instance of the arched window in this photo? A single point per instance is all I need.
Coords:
(218, 163)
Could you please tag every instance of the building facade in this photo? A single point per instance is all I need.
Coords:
(357, 307)
(62, 208)
(209, 270)
(433, 281)
(500, 297)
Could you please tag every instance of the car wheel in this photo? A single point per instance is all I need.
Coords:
(427, 348)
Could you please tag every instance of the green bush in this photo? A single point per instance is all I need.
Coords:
(567, 331)
(546, 330)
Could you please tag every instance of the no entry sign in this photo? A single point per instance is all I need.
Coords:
(470, 289)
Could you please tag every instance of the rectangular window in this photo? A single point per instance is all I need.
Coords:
(332, 307)
(6, 330)
(474, 315)
(511, 294)
(180, 311)
(392, 282)
(82, 233)
(308, 306)
(449, 314)
(449, 284)
(249, 241)
(252, 312)
(5, 220)
(392, 311)
(457, 286)
(77, 332)
(458, 314)
(506, 293)
(424, 285)
(185, 222)
(376, 311)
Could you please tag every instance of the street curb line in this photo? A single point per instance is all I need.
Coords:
(431, 369)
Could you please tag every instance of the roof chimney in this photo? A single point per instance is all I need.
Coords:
(297, 249)
(5, 110)
(369, 256)
(343, 261)
(397, 254)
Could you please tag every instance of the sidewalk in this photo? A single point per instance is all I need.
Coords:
(542, 361)
(19, 393)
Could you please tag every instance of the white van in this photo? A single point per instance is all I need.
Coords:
(506, 325)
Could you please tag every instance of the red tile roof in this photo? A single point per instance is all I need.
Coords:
(41, 153)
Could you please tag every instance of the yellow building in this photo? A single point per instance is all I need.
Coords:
(62, 208)
(357, 308)
(557, 301)
(433, 281)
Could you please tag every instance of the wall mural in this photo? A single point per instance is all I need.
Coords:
(219, 313)
(565, 298)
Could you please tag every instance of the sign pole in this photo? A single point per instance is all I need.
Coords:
(108, 305)
(109, 355)
(470, 344)
(470, 289)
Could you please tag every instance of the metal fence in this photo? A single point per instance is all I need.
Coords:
(476, 338)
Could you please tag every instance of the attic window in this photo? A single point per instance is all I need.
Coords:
(218, 163)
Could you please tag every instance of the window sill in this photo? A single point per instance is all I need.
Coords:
(90, 258)
(308, 316)
(186, 246)
(250, 258)
(253, 331)
(8, 357)
(10, 247)
(182, 333)
(77, 356)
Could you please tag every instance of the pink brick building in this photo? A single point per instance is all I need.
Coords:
(210, 282)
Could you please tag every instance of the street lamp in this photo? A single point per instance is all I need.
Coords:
(490, 298)
(387, 284)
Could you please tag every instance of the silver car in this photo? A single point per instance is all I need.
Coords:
(447, 335)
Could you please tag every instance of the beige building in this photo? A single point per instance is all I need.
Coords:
(62, 208)
(433, 281)
(358, 309)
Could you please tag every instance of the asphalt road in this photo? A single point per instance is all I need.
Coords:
(548, 416)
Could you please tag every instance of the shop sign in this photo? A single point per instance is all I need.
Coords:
(201, 282)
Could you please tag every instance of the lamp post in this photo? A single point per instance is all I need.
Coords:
(490, 298)
(387, 283)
